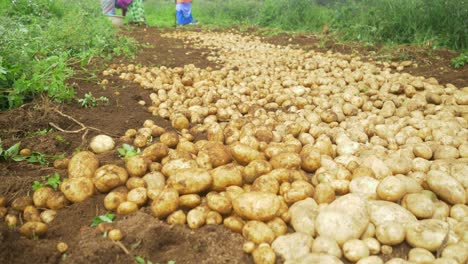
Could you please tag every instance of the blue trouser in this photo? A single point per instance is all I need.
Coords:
(184, 13)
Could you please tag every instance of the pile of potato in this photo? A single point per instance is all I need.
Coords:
(312, 157)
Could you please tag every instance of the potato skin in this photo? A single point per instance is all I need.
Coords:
(136, 166)
(41, 195)
(225, 176)
(33, 229)
(258, 232)
(77, 189)
(256, 205)
(83, 164)
(57, 200)
(155, 152)
(166, 203)
(108, 177)
(190, 181)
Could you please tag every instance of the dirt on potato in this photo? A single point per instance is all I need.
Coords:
(145, 235)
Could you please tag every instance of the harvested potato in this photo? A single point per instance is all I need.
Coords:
(33, 229)
(108, 177)
(234, 223)
(11, 221)
(155, 152)
(278, 226)
(166, 203)
(266, 183)
(115, 235)
(225, 176)
(248, 247)
(326, 245)
(428, 234)
(127, 207)
(41, 195)
(302, 216)
(371, 260)
(177, 218)
(196, 217)
(57, 200)
(190, 181)
(255, 169)
(311, 160)
(324, 193)
(62, 247)
(355, 249)
(256, 205)
(420, 255)
(244, 154)
(373, 245)
(217, 153)
(446, 187)
(170, 139)
(292, 246)
(263, 254)
(83, 164)
(459, 212)
(101, 143)
(171, 167)
(391, 189)
(77, 189)
(383, 211)
(258, 232)
(137, 166)
(154, 180)
(419, 204)
(48, 216)
(214, 218)
(137, 196)
(286, 160)
(299, 190)
(189, 200)
(456, 251)
(219, 203)
(390, 233)
(135, 182)
(364, 186)
(20, 203)
(61, 164)
(31, 214)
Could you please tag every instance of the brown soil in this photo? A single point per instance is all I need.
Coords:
(145, 235)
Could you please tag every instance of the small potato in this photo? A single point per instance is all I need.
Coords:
(170, 139)
(62, 247)
(156, 152)
(196, 217)
(77, 189)
(418, 204)
(104, 227)
(214, 218)
(189, 200)
(234, 223)
(225, 176)
(57, 200)
(300, 190)
(248, 247)
(166, 203)
(256, 205)
(169, 168)
(115, 235)
(420, 255)
(371, 260)
(355, 249)
(266, 183)
(218, 153)
(190, 181)
(459, 212)
(19, 204)
(286, 160)
(135, 182)
(33, 229)
(255, 169)
(390, 233)
(373, 245)
(391, 189)
(83, 164)
(137, 196)
(244, 154)
(61, 164)
(31, 214)
(326, 245)
(278, 226)
(41, 195)
(137, 166)
(11, 221)
(48, 216)
(127, 207)
(264, 255)
(218, 203)
(108, 177)
(155, 180)
(177, 218)
(258, 232)
(324, 193)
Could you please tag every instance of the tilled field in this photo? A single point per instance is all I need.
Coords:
(312, 157)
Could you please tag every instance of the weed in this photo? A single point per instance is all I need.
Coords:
(460, 61)
(52, 181)
(61, 140)
(127, 151)
(40, 132)
(89, 100)
(107, 218)
(35, 157)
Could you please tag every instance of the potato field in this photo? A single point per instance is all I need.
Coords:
(222, 146)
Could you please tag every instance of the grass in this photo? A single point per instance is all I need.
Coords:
(433, 23)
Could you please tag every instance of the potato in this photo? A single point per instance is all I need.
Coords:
(11, 221)
(108, 177)
(154, 180)
(446, 187)
(365, 186)
(137, 196)
(326, 245)
(31, 214)
(316, 258)
(459, 212)
(219, 203)
(310, 160)
(258, 232)
(266, 183)
(457, 251)
(41, 195)
(77, 189)
(137, 166)
(278, 226)
(255, 169)
(115, 235)
(196, 217)
(155, 152)
(292, 246)
(234, 223)
(302, 216)
(264, 255)
(390, 233)
(324, 193)
(369, 232)
(371, 260)
(170, 139)
(101, 143)
(373, 245)
(355, 249)
(248, 247)
(127, 207)
(3, 212)
(428, 234)
(419, 204)
(61, 164)
(214, 218)
(189, 200)
(218, 153)
(225, 176)
(177, 218)
(57, 200)
(446, 152)
(62, 247)
(83, 164)
(286, 160)
(422, 150)
(171, 167)
(299, 190)
(391, 189)
(135, 182)
(33, 229)
(420, 255)
(383, 211)
(166, 203)
(190, 181)
(256, 206)
(244, 154)
(281, 175)
(20, 203)
(48, 216)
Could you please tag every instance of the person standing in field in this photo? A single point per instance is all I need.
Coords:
(184, 12)
(134, 10)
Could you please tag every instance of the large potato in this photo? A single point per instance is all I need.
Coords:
(244, 154)
(299, 190)
(390, 233)
(265, 183)
(41, 195)
(303, 214)
(292, 246)
(114, 199)
(154, 180)
(33, 229)
(218, 153)
(173, 166)
(57, 200)
(31, 214)
(264, 255)
(256, 206)
(101, 143)
(255, 169)
(326, 245)
(429, 234)
(365, 186)
(225, 176)
(420, 255)
(77, 189)
(137, 166)
(190, 181)
(446, 187)
(108, 177)
(258, 232)
(219, 203)
(383, 211)
(196, 217)
(155, 152)
(418, 204)
(166, 203)
(286, 160)
(83, 164)
(234, 223)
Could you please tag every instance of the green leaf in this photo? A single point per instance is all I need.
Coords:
(37, 185)
(171, 262)
(140, 259)
(12, 151)
(107, 218)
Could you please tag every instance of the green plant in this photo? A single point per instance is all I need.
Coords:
(52, 181)
(127, 151)
(90, 101)
(35, 157)
(460, 61)
(141, 260)
(40, 132)
(61, 140)
(107, 218)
